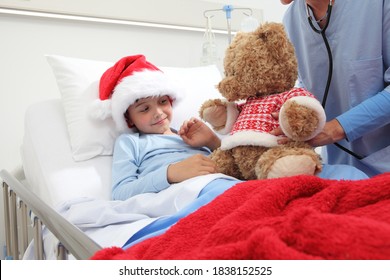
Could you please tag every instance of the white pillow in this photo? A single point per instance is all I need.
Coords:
(78, 81)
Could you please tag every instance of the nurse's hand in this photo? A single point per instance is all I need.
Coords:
(332, 132)
(278, 131)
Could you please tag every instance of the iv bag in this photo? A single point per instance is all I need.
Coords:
(249, 24)
(209, 47)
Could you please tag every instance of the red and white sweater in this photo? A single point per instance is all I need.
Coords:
(249, 123)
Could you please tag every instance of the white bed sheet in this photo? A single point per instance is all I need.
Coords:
(112, 223)
(49, 168)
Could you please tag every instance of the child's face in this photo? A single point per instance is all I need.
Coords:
(151, 115)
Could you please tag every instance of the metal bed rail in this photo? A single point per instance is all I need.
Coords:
(19, 204)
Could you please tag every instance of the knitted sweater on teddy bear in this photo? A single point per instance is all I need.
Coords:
(255, 121)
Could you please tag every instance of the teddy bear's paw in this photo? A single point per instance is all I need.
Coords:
(215, 115)
(214, 112)
(298, 122)
(302, 118)
(292, 165)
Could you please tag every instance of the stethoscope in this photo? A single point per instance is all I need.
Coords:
(321, 31)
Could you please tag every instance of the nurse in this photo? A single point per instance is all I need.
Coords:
(357, 86)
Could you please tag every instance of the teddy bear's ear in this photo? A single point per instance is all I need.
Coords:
(274, 38)
(271, 32)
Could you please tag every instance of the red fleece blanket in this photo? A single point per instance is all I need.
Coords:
(300, 217)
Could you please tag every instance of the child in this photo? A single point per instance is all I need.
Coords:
(150, 156)
(157, 156)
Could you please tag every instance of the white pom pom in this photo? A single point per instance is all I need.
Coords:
(100, 109)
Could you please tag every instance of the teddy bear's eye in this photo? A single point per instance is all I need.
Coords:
(230, 71)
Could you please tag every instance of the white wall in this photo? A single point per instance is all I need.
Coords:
(177, 12)
(25, 77)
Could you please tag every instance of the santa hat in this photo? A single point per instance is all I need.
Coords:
(130, 79)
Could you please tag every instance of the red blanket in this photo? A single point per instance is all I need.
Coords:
(300, 217)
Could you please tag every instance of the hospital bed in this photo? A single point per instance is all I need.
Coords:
(67, 156)
(65, 185)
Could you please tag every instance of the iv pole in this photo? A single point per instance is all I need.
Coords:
(228, 11)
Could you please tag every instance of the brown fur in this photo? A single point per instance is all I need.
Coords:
(257, 64)
(302, 120)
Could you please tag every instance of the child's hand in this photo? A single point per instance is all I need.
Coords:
(196, 133)
(278, 131)
(191, 167)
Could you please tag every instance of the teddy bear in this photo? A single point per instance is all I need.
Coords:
(260, 76)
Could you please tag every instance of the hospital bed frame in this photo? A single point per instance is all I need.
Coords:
(16, 216)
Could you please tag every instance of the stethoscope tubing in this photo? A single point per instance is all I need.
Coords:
(321, 31)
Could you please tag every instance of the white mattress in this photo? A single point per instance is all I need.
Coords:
(49, 167)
